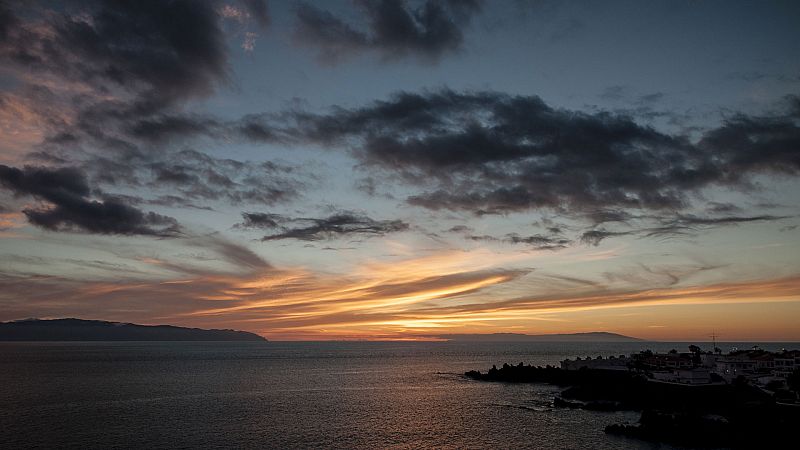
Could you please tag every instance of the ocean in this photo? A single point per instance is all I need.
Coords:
(294, 395)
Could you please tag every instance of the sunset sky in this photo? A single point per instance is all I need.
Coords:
(404, 169)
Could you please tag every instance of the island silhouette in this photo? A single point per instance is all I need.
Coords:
(71, 329)
(593, 336)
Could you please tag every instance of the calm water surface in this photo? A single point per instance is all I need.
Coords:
(281, 395)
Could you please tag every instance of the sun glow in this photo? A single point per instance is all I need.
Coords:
(405, 300)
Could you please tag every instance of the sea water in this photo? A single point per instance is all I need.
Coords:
(294, 395)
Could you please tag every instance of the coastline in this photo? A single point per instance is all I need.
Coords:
(717, 413)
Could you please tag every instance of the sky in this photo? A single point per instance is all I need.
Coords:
(404, 169)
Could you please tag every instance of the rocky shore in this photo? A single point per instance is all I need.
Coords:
(733, 415)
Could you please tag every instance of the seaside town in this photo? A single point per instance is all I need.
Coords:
(775, 372)
(696, 398)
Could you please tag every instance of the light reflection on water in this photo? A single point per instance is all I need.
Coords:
(332, 394)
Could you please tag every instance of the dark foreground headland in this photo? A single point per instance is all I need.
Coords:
(745, 399)
(99, 330)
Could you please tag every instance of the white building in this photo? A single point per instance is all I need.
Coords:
(684, 376)
(600, 363)
(785, 363)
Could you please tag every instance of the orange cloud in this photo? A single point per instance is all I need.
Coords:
(11, 220)
(410, 298)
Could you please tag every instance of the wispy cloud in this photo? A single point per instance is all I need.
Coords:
(405, 298)
(340, 224)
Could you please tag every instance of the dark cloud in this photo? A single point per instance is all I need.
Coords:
(137, 64)
(71, 207)
(605, 215)
(551, 226)
(394, 29)
(651, 98)
(593, 237)
(260, 220)
(667, 232)
(251, 129)
(109, 82)
(174, 201)
(373, 187)
(343, 223)
(537, 241)
(493, 153)
(173, 175)
(647, 226)
(749, 144)
(666, 227)
(166, 127)
(8, 21)
(722, 208)
(459, 229)
(484, 237)
(131, 59)
(198, 177)
(192, 178)
(158, 51)
(694, 221)
(334, 38)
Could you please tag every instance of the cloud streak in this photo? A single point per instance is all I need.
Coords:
(666, 227)
(283, 296)
(340, 224)
(380, 300)
(537, 241)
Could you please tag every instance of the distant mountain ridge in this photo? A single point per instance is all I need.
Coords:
(594, 336)
(100, 330)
